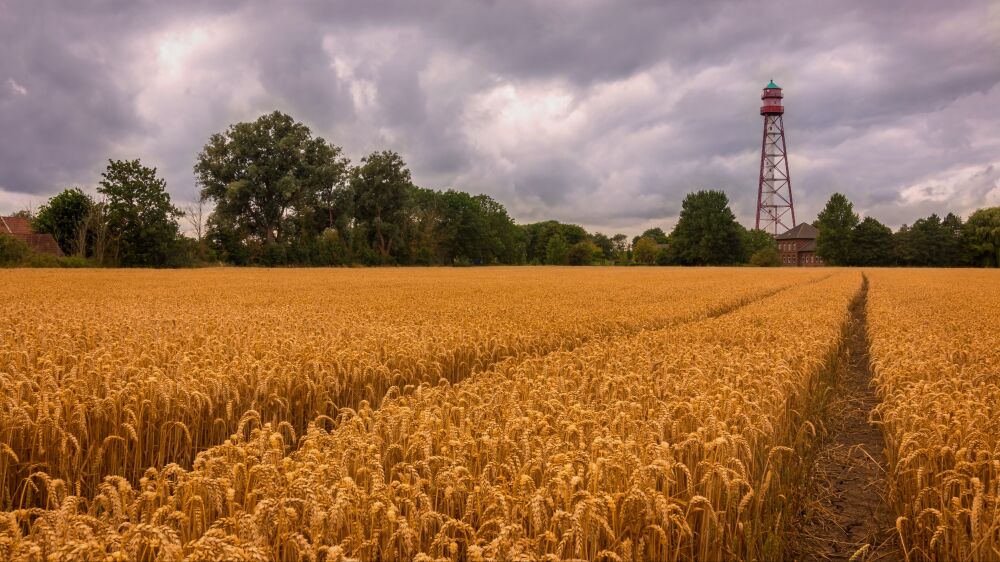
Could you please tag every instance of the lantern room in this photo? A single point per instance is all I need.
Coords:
(771, 99)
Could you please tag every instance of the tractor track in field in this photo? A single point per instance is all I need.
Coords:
(376, 402)
(598, 336)
(713, 312)
(847, 516)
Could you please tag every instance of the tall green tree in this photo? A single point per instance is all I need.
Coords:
(759, 248)
(454, 227)
(835, 223)
(556, 250)
(655, 233)
(536, 238)
(380, 186)
(605, 244)
(64, 216)
(756, 240)
(620, 247)
(270, 178)
(928, 240)
(142, 222)
(871, 244)
(423, 232)
(981, 235)
(707, 232)
(931, 242)
(467, 234)
(509, 242)
(583, 253)
(953, 240)
(644, 250)
(901, 246)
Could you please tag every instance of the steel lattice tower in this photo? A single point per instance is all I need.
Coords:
(774, 191)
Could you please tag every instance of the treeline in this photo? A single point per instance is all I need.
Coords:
(845, 239)
(272, 194)
(134, 224)
(280, 196)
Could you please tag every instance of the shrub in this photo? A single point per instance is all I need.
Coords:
(768, 257)
(12, 251)
(42, 260)
(582, 253)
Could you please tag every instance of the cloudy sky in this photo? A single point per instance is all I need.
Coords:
(603, 113)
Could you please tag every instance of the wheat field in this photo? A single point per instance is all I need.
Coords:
(935, 341)
(479, 414)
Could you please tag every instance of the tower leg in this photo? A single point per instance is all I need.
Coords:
(775, 211)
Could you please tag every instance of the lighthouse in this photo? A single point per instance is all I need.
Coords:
(775, 213)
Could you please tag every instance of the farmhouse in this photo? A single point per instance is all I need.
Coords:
(20, 228)
(798, 246)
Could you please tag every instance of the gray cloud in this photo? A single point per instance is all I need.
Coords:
(604, 113)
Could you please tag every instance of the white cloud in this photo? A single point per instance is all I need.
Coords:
(14, 87)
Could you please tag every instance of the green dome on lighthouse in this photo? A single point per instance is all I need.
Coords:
(771, 84)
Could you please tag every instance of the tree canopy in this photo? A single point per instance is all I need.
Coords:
(280, 195)
(656, 234)
(756, 240)
(835, 223)
(871, 244)
(556, 250)
(379, 188)
(931, 242)
(644, 250)
(142, 222)
(536, 238)
(270, 178)
(707, 232)
(982, 235)
(64, 216)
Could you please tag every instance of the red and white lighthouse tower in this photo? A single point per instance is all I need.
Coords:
(775, 213)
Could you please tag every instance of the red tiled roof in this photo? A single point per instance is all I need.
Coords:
(20, 228)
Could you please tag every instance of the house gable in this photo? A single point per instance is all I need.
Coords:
(20, 228)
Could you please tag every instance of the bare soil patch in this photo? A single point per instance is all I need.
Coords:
(847, 516)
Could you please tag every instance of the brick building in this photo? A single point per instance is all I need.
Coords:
(798, 246)
(20, 228)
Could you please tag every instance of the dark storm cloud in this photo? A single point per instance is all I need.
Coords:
(600, 112)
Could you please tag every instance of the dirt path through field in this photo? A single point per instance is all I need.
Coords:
(847, 515)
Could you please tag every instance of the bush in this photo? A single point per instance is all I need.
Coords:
(663, 257)
(42, 260)
(13, 251)
(75, 262)
(48, 260)
(368, 256)
(768, 257)
(331, 251)
(274, 255)
(582, 253)
(645, 250)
